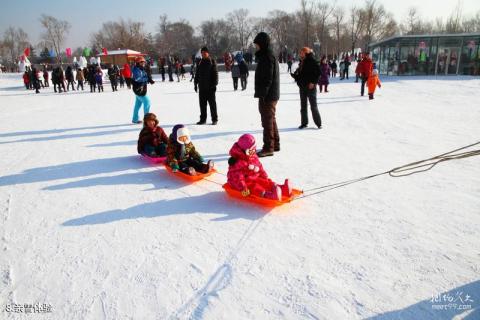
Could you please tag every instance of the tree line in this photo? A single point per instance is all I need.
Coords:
(328, 28)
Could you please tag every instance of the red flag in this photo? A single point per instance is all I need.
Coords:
(104, 50)
(26, 51)
(69, 52)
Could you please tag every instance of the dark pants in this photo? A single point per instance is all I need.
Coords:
(289, 67)
(156, 151)
(113, 83)
(80, 84)
(71, 83)
(128, 81)
(163, 76)
(362, 88)
(197, 165)
(345, 72)
(243, 82)
(311, 95)
(92, 86)
(207, 96)
(271, 138)
(45, 81)
(235, 83)
(321, 85)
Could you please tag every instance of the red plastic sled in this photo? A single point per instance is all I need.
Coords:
(154, 160)
(197, 177)
(259, 200)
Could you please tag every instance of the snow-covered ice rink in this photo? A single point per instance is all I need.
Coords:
(94, 231)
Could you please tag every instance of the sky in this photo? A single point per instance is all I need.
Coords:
(87, 16)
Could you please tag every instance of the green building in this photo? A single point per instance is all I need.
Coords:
(438, 54)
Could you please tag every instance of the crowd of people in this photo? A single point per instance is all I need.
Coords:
(204, 74)
(245, 171)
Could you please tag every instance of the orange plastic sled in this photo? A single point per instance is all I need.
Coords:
(154, 160)
(197, 177)
(259, 200)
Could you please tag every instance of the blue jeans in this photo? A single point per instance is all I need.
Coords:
(139, 100)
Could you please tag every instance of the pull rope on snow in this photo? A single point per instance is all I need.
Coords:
(403, 171)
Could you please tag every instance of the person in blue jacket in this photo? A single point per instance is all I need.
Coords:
(140, 78)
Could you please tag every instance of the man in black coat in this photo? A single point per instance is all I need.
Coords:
(306, 77)
(243, 73)
(267, 90)
(206, 80)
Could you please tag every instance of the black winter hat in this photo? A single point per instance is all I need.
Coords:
(263, 40)
(204, 49)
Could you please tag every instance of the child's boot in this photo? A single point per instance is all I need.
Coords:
(370, 96)
(210, 165)
(286, 188)
(191, 171)
(276, 194)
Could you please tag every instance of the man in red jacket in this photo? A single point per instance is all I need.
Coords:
(127, 74)
(364, 70)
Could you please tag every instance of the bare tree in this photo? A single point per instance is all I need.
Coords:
(55, 32)
(120, 35)
(216, 36)
(454, 21)
(306, 15)
(241, 26)
(378, 23)
(357, 25)
(338, 25)
(15, 40)
(176, 38)
(411, 23)
(281, 26)
(323, 13)
(472, 24)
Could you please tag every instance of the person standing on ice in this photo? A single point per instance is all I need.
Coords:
(127, 74)
(267, 90)
(70, 78)
(306, 76)
(364, 70)
(324, 74)
(235, 74)
(140, 78)
(243, 73)
(206, 81)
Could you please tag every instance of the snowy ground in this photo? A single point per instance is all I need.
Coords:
(97, 233)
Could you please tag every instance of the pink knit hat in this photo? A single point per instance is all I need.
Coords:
(246, 141)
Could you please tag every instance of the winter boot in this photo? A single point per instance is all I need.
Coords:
(210, 165)
(191, 171)
(276, 194)
(370, 96)
(286, 188)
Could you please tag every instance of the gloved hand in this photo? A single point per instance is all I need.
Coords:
(175, 168)
(196, 88)
(246, 193)
(379, 85)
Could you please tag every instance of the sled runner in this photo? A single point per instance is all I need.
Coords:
(259, 200)
(197, 177)
(154, 160)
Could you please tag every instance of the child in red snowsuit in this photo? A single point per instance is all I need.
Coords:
(246, 173)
